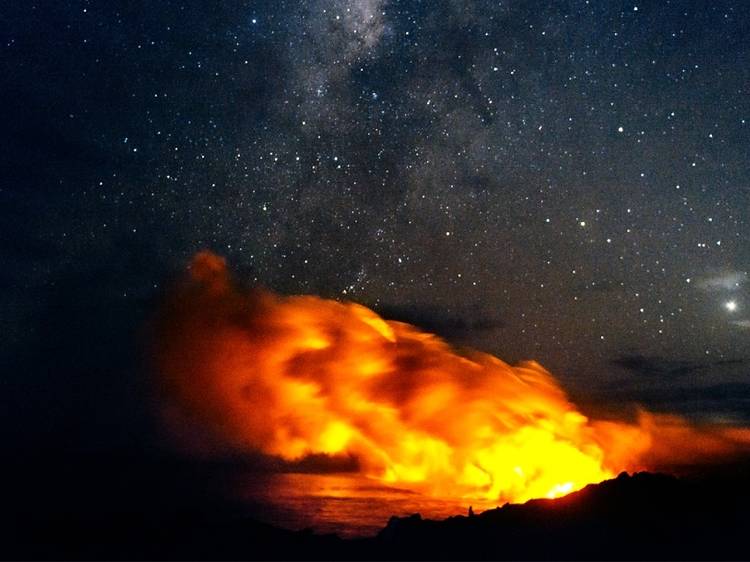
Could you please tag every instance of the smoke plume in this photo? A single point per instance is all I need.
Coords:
(298, 376)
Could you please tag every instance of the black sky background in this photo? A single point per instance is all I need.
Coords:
(562, 181)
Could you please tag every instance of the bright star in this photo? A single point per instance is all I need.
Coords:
(731, 306)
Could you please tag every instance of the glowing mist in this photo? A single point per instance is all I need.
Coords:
(296, 376)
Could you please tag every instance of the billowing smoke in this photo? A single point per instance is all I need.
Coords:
(294, 377)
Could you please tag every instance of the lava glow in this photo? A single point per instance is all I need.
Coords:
(296, 376)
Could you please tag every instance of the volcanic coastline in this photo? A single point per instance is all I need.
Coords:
(645, 516)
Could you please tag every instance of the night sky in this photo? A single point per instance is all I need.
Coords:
(562, 181)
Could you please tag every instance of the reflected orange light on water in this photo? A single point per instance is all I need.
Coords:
(349, 505)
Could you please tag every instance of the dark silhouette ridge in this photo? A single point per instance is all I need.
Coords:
(640, 517)
(146, 516)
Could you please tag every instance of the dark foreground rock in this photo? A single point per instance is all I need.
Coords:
(645, 516)
(639, 517)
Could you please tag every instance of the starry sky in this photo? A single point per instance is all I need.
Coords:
(564, 181)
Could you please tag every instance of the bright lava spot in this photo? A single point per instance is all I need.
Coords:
(559, 490)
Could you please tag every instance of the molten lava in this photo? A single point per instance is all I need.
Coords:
(297, 376)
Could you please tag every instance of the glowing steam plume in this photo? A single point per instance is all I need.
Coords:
(297, 376)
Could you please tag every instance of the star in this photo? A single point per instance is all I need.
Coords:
(731, 306)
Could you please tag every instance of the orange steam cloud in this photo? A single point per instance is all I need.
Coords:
(297, 376)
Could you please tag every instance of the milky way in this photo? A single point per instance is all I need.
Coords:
(566, 182)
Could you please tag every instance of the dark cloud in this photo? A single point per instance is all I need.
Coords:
(442, 323)
(721, 402)
(655, 366)
(738, 393)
